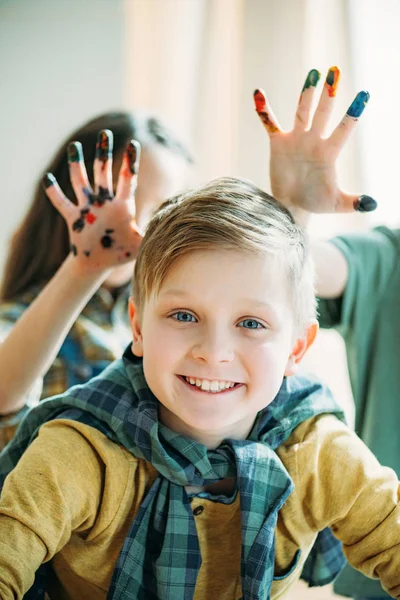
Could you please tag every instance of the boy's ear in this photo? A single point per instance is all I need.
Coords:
(137, 344)
(300, 347)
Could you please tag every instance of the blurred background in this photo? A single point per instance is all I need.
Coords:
(196, 64)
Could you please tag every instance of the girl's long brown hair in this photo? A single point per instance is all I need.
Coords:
(41, 242)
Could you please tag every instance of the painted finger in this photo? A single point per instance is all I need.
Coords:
(349, 122)
(127, 179)
(103, 168)
(79, 179)
(265, 113)
(326, 102)
(351, 202)
(57, 197)
(302, 119)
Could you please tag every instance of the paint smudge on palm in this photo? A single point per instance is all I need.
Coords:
(332, 81)
(312, 79)
(85, 217)
(358, 105)
(104, 146)
(101, 198)
(261, 108)
(107, 241)
(74, 250)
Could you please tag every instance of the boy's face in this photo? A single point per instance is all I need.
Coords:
(216, 342)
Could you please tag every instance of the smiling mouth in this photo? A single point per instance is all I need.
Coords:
(212, 386)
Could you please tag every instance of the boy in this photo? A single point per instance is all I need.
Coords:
(197, 466)
(358, 279)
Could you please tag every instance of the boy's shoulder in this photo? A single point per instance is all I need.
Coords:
(312, 432)
(325, 444)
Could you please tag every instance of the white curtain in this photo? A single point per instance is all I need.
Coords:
(197, 62)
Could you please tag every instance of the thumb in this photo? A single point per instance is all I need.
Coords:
(350, 202)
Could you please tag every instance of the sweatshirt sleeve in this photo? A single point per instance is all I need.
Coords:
(54, 490)
(343, 486)
(372, 259)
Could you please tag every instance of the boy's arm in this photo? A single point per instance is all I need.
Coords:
(303, 169)
(341, 485)
(54, 490)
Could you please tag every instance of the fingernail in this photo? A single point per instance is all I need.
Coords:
(332, 80)
(259, 99)
(133, 153)
(365, 204)
(312, 79)
(75, 153)
(104, 146)
(48, 180)
(356, 108)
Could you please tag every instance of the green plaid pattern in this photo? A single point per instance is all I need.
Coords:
(160, 557)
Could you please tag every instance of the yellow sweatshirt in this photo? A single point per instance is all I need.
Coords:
(73, 496)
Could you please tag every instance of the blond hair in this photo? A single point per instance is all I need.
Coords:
(229, 214)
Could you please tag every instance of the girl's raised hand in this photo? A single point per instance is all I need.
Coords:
(102, 228)
(302, 165)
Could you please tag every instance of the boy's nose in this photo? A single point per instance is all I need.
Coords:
(213, 349)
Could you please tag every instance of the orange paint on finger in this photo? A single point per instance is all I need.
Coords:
(332, 81)
(261, 106)
(126, 169)
(259, 100)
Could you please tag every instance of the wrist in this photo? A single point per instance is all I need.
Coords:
(84, 275)
(301, 216)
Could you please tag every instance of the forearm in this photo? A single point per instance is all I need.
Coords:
(29, 350)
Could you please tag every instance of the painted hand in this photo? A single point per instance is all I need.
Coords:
(102, 229)
(302, 167)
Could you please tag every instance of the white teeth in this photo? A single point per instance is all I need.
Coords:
(210, 386)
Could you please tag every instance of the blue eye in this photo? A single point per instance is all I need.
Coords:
(250, 324)
(183, 317)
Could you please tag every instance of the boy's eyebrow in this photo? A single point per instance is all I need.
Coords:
(253, 301)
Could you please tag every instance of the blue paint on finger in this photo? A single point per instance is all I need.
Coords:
(365, 204)
(356, 108)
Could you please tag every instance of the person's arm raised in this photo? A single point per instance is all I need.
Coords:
(303, 169)
(103, 235)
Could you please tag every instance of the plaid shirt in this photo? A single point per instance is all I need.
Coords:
(99, 336)
(160, 557)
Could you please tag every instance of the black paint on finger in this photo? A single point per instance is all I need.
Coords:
(102, 197)
(365, 204)
(104, 146)
(133, 153)
(75, 153)
(48, 180)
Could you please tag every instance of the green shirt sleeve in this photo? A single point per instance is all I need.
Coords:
(372, 260)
